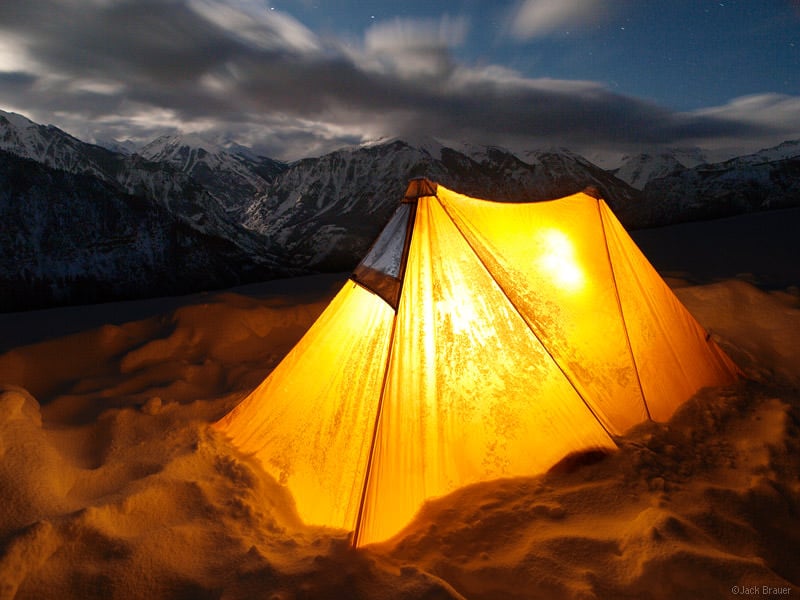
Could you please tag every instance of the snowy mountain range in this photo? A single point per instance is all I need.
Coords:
(639, 169)
(231, 216)
(71, 237)
(744, 184)
(82, 224)
(160, 182)
(326, 211)
(233, 175)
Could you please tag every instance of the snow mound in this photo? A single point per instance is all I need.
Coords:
(759, 330)
(695, 506)
(33, 475)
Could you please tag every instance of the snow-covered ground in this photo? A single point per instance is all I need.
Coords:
(112, 485)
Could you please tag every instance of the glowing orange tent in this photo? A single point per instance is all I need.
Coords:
(476, 340)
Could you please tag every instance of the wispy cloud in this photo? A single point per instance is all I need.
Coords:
(770, 111)
(251, 23)
(769, 117)
(532, 18)
(412, 47)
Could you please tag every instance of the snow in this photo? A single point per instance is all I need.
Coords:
(230, 181)
(126, 147)
(786, 150)
(17, 120)
(639, 170)
(186, 151)
(112, 485)
(166, 147)
(425, 143)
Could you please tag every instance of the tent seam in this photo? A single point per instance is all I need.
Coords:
(622, 312)
(376, 427)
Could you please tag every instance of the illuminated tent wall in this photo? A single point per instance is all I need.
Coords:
(477, 340)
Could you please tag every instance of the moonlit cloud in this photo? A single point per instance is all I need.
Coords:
(776, 111)
(770, 117)
(253, 24)
(12, 54)
(411, 47)
(236, 69)
(539, 17)
(412, 34)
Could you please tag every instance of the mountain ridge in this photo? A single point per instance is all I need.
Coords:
(322, 213)
(74, 238)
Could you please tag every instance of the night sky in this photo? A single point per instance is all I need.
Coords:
(300, 78)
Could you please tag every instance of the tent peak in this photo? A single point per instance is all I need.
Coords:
(592, 192)
(419, 187)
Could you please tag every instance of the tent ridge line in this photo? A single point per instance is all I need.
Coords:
(621, 311)
(528, 325)
(379, 410)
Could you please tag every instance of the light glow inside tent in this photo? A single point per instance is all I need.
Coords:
(558, 260)
(477, 340)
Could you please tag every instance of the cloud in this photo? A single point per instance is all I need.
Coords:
(125, 68)
(770, 118)
(534, 18)
(412, 47)
(252, 24)
(777, 112)
(17, 79)
(413, 34)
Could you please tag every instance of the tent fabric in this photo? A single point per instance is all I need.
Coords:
(674, 355)
(551, 259)
(514, 335)
(310, 423)
(472, 394)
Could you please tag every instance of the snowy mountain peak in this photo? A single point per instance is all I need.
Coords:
(23, 137)
(488, 152)
(242, 151)
(234, 175)
(171, 146)
(428, 144)
(47, 144)
(480, 152)
(787, 150)
(639, 169)
(783, 151)
(537, 156)
(16, 120)
(126, 147)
